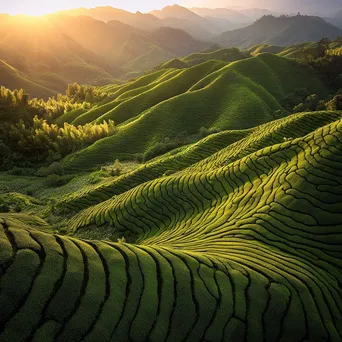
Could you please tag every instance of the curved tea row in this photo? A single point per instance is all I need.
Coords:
(242, 246)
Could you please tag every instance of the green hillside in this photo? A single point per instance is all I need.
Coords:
(225, 55)
(262, 48)
(216, 150)
(237, 252)
(13, 79)
(228, 98)
(198, 201)
(298, 51)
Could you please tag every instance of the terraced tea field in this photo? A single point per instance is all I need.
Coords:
(215, 94)
(234, 238)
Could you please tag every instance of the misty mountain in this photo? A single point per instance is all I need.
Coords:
(317, 7)
(335, 18)
(106, 14)
(233, 16)
(183, 18)
(122, 43)
(282, 31)
(171, 16)
(256, 13)
(47, 50)
(62, 49)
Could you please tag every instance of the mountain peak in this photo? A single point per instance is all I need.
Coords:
(286, 30)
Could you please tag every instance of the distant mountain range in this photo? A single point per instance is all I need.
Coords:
(317, 7)
(95, 46)
(335, 18)
(283, 31)
(62, 49)
(201, 23)
(171, 16)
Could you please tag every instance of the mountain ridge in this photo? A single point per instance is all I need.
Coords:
(283, 31)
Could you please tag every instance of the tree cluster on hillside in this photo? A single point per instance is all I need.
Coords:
(282, 16)
(28, 134)
(13, 98)
(43, 141)
(15, 103)
(326, 62)
(76, 96)
(301, 101)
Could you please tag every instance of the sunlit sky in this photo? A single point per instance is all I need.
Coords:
(39, 7)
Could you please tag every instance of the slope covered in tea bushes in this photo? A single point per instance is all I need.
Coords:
(239, 95)
(243, 243)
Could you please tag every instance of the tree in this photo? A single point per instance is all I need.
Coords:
(335, 103)
(117, 168)
(70, 91)
(322, 47)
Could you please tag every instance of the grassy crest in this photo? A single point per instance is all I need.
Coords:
(240, 95)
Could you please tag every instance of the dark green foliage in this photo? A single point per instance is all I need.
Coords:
(292, 99)
(4, 208)
(55, 168)
(329, 66)
(117, 168)
(41, 141)
(317, 51)
(56, 181)
(165, 146)
(310, 104)
(313, 103)
(17, 208)
(335, 103)
(19, 171)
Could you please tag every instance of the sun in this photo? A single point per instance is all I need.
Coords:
(36, 8)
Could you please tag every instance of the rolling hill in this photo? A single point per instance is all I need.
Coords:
(295, 51)
(282, 31)
(204, 211)
(236, 250)
(213, 94)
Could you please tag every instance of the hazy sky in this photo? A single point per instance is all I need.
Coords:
(36, 7)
